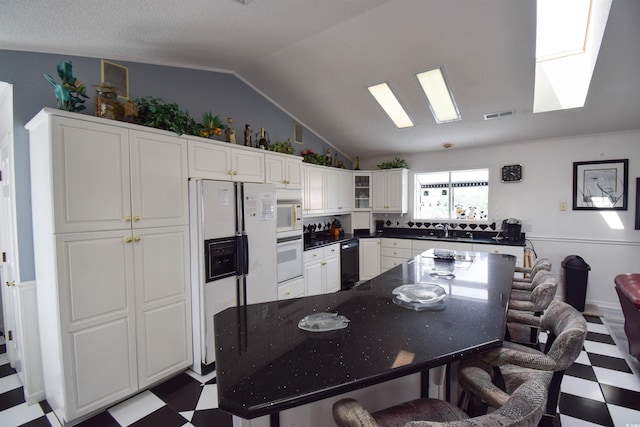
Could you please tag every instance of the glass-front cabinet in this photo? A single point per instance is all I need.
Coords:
(362, 191)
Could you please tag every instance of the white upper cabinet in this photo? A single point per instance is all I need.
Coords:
(109, 178)
(284, 171)
(338, 191)
(390, 189)
(214, 160)
(313, 191)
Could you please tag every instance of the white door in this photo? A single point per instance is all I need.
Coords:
(332, 274)
(275, 171)
(369, 258)
(294, 173)
(163, 318)
(218, 207)
(8, 247)
(247, 166)
(159, 180)
(260, 225)
(379, 190)
(313, 277)
(91, 176)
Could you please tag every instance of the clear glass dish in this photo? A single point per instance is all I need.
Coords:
(323, 322)
(420, 296)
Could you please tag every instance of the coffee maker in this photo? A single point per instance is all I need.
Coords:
(511, 229)
(379, 226)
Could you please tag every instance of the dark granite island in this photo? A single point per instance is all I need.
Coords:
(266, 364)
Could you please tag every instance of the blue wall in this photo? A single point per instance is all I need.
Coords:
(195, 91)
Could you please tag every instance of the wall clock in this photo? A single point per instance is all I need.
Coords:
(511, 173)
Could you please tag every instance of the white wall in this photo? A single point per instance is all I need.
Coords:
(548, 181)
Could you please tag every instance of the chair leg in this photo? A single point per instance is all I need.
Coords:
(476, 406)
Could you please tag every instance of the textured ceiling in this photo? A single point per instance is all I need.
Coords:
(316, 58)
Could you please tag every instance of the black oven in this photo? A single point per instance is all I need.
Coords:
(349, 263)
(220, 258)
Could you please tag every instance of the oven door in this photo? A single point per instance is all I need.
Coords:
(289, 257)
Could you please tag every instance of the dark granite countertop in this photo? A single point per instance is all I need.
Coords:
(265, 363)
(321, 238)
(461, 236)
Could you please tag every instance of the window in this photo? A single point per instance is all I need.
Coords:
(461, 195)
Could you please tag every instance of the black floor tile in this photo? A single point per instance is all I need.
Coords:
(165, 417)
(212, 418)
(11, 398)
(3, 348)
(593, 319)
(44, 405)
(6, 370)
(609, 362)
(103, 419)
(581, 371)
(38, 422)
(620, 397)
(180, 392)
(602, 338)
(585, 409)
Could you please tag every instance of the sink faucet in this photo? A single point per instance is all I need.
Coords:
(444, 227)
(469, 234)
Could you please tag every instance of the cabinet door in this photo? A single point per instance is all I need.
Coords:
(396, 191)
(332, 191)
(97, 319)
(91, 179)
(345, 189)
(209, 160)
(362, 191)
(313, 190)
(293, 173)
(247, 166)
(161, 260)
(275, 170)
(159, 180)
(332, 274)
(379, 189)
(313, 277)
(369, 258)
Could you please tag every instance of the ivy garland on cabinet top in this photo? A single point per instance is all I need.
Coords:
(395, 163)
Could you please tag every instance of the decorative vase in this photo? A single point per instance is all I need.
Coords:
(107, 104)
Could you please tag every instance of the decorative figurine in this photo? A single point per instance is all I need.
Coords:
(247, 135)
(230, 132)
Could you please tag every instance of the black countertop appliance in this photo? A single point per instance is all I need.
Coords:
(511, 229)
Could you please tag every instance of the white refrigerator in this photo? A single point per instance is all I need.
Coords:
(233, 254)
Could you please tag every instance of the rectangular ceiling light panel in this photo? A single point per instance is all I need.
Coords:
(568, 38)
(441, 102)
(390, 104)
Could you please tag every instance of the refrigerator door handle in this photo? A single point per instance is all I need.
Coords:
(245, 255)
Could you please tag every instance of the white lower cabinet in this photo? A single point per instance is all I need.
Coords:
(369, 254)
(322, 270)
(394, 252)
(293, 288)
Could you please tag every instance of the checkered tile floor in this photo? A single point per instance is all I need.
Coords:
(600, 389)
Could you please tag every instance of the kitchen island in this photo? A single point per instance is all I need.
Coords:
(266, 364)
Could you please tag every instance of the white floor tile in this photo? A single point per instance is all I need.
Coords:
(9, 383)
(2, 340)
(567, 421)
(136, 408)
(582, 388)
(202, 378)
(53, 420)
(598, 328)
(208, 398)
(583, 358)
(4, 359)
(604, 349)
(618, 379)
(188, 415)
(20, 414)
(623, 416)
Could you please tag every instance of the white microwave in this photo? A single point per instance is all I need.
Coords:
(289, 216)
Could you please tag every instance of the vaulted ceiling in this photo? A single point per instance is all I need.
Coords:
(316, 58)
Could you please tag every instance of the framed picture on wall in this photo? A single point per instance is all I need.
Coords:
(600, 185)
(297, 133)
(117, 76)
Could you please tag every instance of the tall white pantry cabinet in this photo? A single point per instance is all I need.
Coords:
(111, 247)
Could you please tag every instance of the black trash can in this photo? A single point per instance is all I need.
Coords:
(576, 272)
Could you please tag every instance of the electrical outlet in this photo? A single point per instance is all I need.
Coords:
(563, 206)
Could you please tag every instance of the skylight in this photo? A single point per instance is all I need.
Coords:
(568, 38)
(441, 102)
(390, 104)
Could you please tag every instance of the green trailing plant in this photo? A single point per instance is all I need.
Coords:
(392, 164)
(317, 159)
(281, 147)
(70, 92)
(154, 112)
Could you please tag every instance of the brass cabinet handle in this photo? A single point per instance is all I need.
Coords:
(127, 219)
(128, 239)
(136, 218)
(137, 239)
(235, 172)
(11, 283)
(229, 172)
